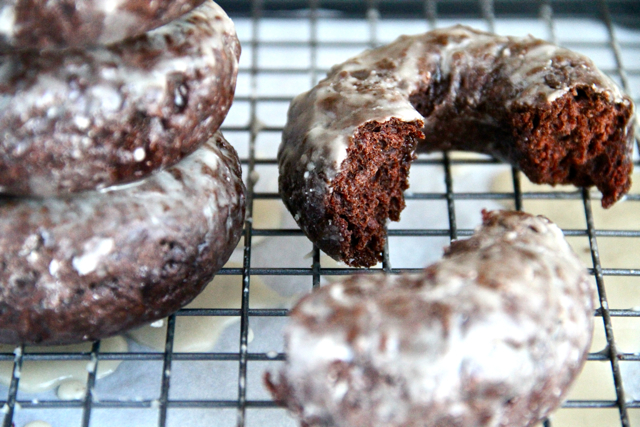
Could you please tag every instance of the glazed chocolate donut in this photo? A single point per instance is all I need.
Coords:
(55, 24)
(85, 119)
(491, 335)
(348, 143)
(92, 265)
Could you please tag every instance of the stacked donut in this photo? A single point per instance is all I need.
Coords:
(119, 199)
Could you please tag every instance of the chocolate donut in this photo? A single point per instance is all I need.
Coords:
(92, 265)
(348, 143)
(55, 24)
(77, 120)
(491, 335)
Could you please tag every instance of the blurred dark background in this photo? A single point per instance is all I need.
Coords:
(626, 12)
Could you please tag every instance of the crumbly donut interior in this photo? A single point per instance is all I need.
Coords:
(579, 139)
(369, 188)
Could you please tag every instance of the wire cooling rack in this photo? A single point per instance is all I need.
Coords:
(287, 47)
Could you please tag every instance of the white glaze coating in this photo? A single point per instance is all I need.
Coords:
(7, 18)
(94, 249)
(491, 335)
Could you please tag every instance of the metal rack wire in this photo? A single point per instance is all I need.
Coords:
(259, 111)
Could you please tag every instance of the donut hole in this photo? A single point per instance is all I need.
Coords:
(369, 189)
(578, 139)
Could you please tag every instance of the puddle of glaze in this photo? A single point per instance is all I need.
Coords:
(72, 390)
(42, 375)
(200, 333)
(38, 424)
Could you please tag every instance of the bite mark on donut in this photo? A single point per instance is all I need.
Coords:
(579, 138)
(369, 188)
(577, 146)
